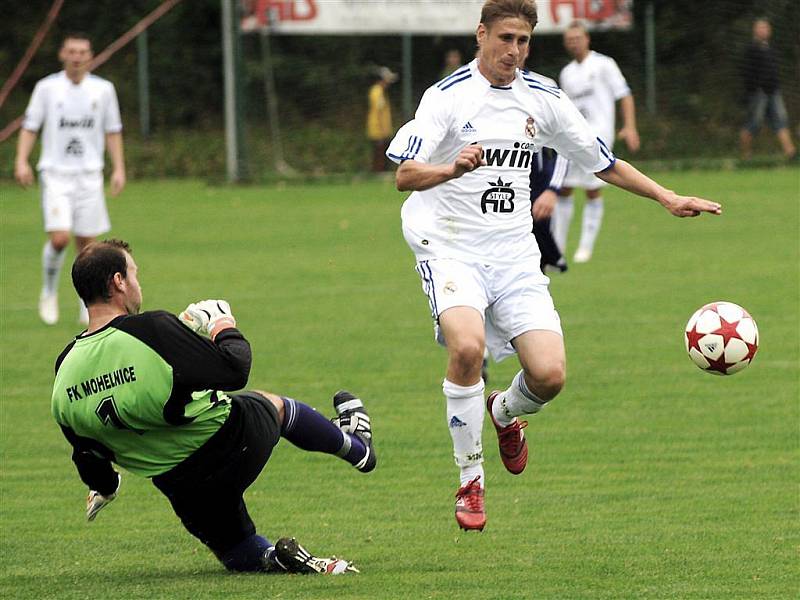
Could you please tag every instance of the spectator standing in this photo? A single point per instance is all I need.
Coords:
(762, 85)
(379, 117)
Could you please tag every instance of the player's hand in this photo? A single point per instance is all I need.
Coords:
(23, 174)
(469, 159)
(543, 206)
(118, 181)
(95, 502)
(208, 317)
(689, 206)
(631, 138)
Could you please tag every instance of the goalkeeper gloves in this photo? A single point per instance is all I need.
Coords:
(95, 501)
(208, 317)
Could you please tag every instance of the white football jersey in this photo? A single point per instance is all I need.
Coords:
(75, 118)
(484, 216)
(594, 86)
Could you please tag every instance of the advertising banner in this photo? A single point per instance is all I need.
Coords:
(419, 17)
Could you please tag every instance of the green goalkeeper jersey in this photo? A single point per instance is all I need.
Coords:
(145, 392)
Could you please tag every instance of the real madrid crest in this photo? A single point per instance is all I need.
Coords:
(530, 128)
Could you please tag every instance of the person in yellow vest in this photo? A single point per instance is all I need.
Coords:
(379, 117)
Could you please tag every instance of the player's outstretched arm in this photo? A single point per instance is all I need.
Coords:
(628, 177)
(414, 176)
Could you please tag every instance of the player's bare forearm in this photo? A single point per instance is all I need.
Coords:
(22, 168)
(629, 133)
(413, 176)
(626, 176)
(118, 177)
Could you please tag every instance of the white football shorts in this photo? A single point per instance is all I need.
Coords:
(513, 299)
(576, 177)
(74, 202)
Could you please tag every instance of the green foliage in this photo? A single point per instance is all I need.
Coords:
(648, 478)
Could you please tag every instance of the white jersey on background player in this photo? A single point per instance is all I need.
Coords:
(468, 222)
(594, 82)
(78, 114)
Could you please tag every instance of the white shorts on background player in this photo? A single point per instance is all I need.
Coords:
(594, 86)
(512, 299)
(483, 218)
(74, 202)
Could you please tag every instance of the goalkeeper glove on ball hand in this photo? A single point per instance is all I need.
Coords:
(95, 501)
(208, 317)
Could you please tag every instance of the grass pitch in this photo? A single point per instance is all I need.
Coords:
(648, 478)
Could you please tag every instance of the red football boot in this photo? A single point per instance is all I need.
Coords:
(470, 513)
(513, 447)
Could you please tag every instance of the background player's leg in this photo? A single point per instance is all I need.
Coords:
(562, 217)
(81, 243)
(53, 255)
(590, 225)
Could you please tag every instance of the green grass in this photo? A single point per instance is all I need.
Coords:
(648, 479)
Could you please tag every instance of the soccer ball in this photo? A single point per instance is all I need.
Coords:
(721, 338)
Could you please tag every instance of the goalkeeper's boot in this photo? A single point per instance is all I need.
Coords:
(291, 557)
(513, 446)
(352, 418)
(470, 513)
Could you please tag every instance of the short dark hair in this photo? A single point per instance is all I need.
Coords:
(494, 10)
(95, 267)
(76, 35)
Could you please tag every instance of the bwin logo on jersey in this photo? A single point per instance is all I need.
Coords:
(519, 157)
(500, 197)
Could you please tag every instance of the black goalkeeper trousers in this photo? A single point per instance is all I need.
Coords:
(206, 489)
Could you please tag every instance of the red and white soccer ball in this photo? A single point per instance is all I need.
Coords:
(721, 338)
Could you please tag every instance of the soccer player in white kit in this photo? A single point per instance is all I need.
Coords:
(466, 158)
(595, 84)
(80, 116)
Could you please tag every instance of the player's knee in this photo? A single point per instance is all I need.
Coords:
(466, 355)
(549, 380)
(276, 401)
(59, 240)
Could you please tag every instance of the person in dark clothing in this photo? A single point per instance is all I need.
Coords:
(761, 83)
(148, 392)
(547, 175)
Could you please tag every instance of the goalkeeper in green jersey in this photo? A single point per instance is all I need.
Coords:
(149, 392)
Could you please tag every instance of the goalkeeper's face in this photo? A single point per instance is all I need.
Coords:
(132, 293)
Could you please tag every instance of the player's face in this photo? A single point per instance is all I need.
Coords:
(133, 292)
(501, 46)
(576, 41)
(762, 30)
(75, 56)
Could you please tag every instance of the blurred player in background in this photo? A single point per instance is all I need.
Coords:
(147, 392)
(762, 85)
(466, 158)
(452, 61)
(80, 115)
(379, 117)
(595, 84)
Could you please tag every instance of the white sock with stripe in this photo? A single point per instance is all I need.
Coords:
(590, 223)
(465, 407)
(517, 400)
(561, 220)
(52, 261)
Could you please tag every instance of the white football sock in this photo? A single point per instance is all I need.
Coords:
(561, 220)
(52, 260)
(590, 223)
(515, 401)
(465, 408)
